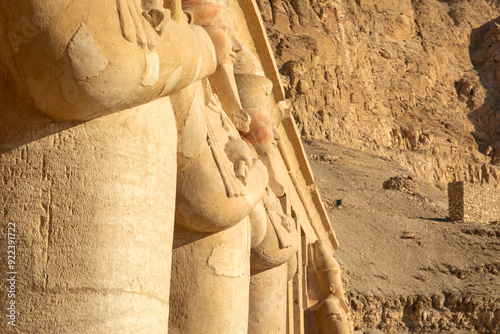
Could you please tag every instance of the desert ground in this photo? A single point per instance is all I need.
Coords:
(407, 267)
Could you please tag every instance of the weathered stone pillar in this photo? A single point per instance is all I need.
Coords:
(268, 301)
(210, 281)
(93, 236)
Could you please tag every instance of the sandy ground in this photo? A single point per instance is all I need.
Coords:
(394, 243)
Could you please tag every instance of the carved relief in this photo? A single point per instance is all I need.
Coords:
(284, 226)
(208, 201)
(236, 151)
(212, 15)
(25, 32)
(254, 90)
(281, 241)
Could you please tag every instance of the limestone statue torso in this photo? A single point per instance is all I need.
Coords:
(331, 317)
(219, 184)
(225, 183)
(82, 59)
(274, 239)
(217, 189)
(281, 240)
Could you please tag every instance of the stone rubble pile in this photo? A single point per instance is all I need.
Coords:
(402, 183)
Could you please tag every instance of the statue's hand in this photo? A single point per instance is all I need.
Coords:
(239, 154)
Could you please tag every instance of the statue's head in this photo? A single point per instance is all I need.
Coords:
(255, 94)
(333, 283)
(328, 272)
(213, 16)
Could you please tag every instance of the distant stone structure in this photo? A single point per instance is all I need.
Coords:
(473, 202)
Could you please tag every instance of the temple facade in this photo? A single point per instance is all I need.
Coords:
(152, 177)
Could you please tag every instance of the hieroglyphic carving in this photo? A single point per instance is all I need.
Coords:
(25, 32)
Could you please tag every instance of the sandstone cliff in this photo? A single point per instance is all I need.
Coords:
(415, 81)
(407, 269)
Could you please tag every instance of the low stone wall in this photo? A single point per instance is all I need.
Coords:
(473, 202)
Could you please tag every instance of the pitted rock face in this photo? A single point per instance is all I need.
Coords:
(409, 80)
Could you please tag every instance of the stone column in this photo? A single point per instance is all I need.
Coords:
(210, 281)
(93, 205)
(268, 301)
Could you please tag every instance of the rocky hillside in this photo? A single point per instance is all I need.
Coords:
(415, 81)
(407, 269)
